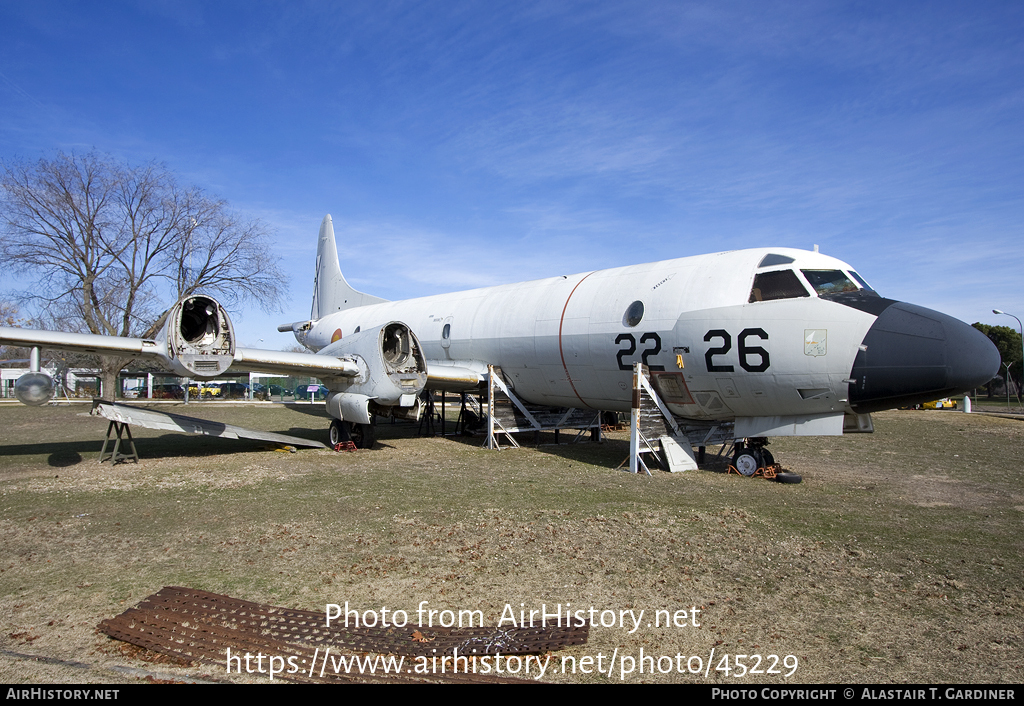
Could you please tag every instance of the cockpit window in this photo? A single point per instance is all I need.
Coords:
(783, 284)
(774, 259)
(829, 281)
(861, 282)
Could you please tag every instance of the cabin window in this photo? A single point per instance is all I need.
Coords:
(446, 332)
(634, 314)
(782, 284)
(829, 281)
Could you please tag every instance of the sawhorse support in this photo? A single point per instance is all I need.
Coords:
(115, 456)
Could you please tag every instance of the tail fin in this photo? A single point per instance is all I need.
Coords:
(331, 292)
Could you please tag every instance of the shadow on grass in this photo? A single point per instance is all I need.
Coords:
(64, 459)
(608, 453)
(611, 453)
(318, 409)
(63, 454)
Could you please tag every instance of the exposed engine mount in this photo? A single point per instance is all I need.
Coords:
(199, 337)
(392, 374)
(197, 340)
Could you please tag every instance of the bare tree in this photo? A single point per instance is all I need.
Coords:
(8, 314)
(111, 243)
(8, 317)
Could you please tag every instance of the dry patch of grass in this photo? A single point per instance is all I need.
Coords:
(898, 558)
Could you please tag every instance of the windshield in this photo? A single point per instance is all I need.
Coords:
(829, 281)
(861, 282)
(783, 284)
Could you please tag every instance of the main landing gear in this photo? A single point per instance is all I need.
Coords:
(362, 435)
(752, 458)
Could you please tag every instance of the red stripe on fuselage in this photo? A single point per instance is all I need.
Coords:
(560, 323)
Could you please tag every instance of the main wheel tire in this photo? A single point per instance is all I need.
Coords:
(338, 433)
(766, 458)
(786, 477)
(364, 435)
(747, 461)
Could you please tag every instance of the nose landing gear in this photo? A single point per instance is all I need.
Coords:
(753, 459)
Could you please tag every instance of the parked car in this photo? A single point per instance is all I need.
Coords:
(233, 391)
(168, 391)
(944, 403)
(307, 392)
(209, 390)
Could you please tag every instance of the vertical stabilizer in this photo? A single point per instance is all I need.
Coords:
(331, 292)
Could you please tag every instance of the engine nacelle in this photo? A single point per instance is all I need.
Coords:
(199, 337)
(392, 374)
(34, 389)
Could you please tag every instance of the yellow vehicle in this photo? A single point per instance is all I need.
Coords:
(205, 390)
(210, 390)
(944, 403)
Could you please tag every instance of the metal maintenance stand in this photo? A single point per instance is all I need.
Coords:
(507, 414)
(654, 430)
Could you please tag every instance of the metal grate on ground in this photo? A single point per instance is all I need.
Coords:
(202, 626)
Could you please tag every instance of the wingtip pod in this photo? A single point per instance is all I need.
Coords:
(34, 389)
(331, 292)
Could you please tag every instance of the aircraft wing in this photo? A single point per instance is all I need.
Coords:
(152, 419)
(288, 363)
(383, 365)
(243, 359)
(453, 378)
(77, 342)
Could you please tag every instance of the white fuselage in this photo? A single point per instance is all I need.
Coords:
(567, 341)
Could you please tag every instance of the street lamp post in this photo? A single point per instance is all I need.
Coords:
(1007, 385)
(1000, 311)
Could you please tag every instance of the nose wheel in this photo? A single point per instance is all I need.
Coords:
(753, 459)
(747, 461)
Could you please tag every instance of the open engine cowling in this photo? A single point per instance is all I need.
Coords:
(392, 374)
(199, 337)
(197, 341)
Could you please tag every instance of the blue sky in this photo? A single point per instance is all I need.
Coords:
(465, 144)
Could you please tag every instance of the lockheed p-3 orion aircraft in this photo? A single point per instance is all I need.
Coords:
(779, 341)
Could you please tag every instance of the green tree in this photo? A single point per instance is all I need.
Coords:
(1008, 342)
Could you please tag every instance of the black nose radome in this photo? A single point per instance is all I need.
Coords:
(912, 355)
